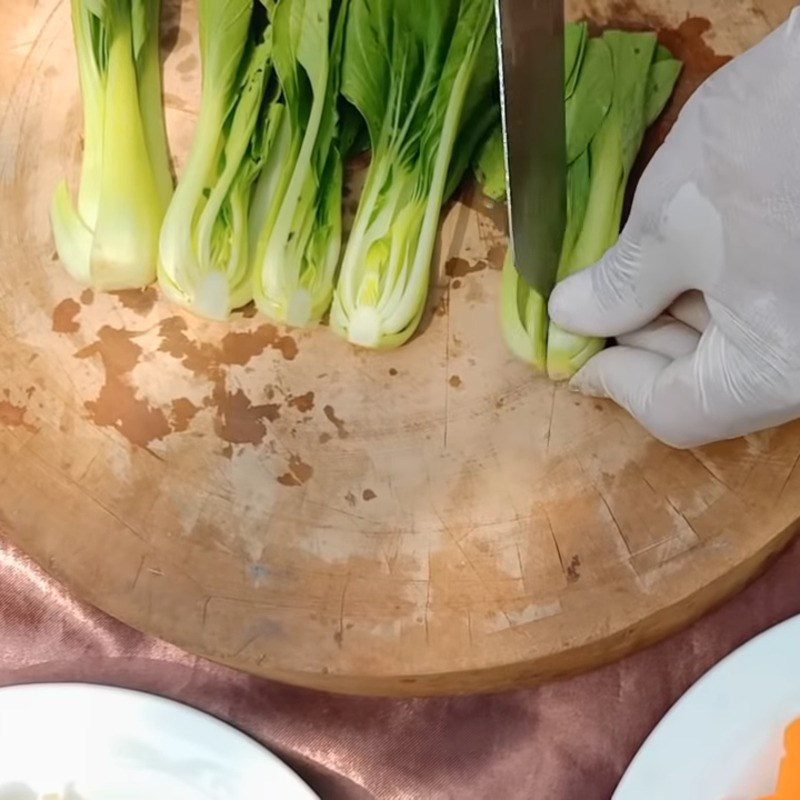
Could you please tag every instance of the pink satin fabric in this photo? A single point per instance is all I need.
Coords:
(565, 741)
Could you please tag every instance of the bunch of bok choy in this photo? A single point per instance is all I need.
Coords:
(290, 88)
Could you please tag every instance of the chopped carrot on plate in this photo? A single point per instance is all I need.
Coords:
(789, 776)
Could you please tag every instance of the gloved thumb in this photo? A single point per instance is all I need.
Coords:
(615, 296)
(673, 242)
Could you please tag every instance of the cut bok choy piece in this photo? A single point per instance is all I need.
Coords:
(523, 310)
(620, 86)
(409, 71)
(644, 76)
(204, 253)
(110, 239)
(297, 211)
(490, 166)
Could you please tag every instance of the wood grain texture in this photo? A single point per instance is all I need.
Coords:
(425, 521)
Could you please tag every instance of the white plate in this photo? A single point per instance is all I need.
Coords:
(101, 743)
(724, 739)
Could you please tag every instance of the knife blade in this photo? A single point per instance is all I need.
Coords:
(530, 40)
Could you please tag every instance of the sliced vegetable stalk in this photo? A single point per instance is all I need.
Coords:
(620, 86)
(490, 166)
(410, 75)
(298, 213)
(589, 83)
(480, 117)
(204, 262)
(643, 79)
(523, 315)
(110, 240)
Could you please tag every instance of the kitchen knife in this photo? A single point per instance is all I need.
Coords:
(530, 38)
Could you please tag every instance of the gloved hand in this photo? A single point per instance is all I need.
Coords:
(717, 212)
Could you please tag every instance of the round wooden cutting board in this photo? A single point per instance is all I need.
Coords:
(423, 521)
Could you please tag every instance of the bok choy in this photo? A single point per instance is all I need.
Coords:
(110, 239)
(205, 256)
(410, 70)
(297, 211)
(617, 85)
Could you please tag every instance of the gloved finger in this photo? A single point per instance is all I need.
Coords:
(716, 393)
(625, 375)
(612, 297)
(692, 310)
(666, 336)
(674, 242)
(663, 395)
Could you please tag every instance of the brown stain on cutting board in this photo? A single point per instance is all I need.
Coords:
(238, 421)
(118, 405)
(298, 474)
(303, 403)
(200, 358)
(188, 64)
(237, 348)
(460, 267)
(339, 424)
(183, 412)
(238, 418)
(64, 316)
(241, 348)
(140, 301)
(13, 416)
(497, 256)
(249, 311)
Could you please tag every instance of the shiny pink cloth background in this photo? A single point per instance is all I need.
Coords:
(564, 741)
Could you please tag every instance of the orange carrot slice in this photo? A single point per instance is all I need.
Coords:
(789, 777)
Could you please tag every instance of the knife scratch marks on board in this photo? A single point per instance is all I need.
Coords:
(789, 476)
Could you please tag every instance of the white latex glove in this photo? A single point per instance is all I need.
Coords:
(718, 212)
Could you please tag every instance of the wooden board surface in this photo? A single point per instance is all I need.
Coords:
(429, 520)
